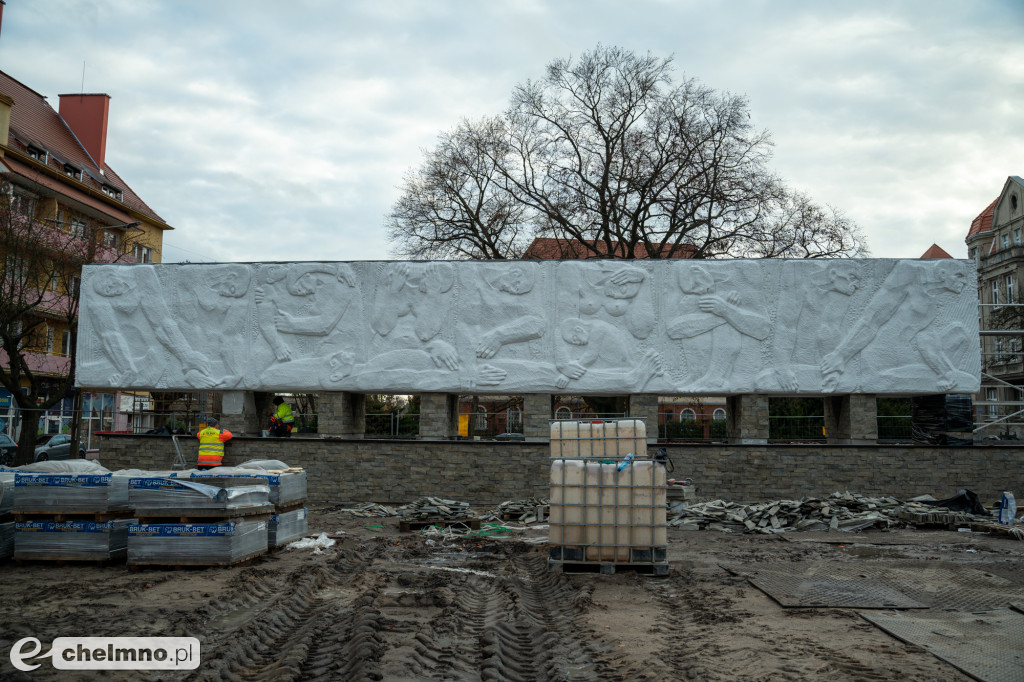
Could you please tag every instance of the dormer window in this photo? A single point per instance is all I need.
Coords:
(72, 171)
(37, 153)
(112, 192)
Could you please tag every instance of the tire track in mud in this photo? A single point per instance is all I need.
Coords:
(320, 625)
(523, 625)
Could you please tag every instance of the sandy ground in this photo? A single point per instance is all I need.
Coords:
(386, 605)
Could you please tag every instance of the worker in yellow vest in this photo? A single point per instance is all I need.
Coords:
(211, 444)
(282, 420)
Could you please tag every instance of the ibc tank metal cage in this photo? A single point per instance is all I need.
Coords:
(606, 510)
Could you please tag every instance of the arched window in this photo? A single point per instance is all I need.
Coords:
(718, 414)
(481, 418)
(563, 412)
(688, 415)
(514, 420)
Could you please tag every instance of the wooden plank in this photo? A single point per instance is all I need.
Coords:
(202, 515)
(607, 568)
(64, 516)
(135, 565)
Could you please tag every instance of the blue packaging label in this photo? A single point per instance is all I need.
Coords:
(62, 480)
(271, 479)
(154, 484)
(63, 526)
(181, 530)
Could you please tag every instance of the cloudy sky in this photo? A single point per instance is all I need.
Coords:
(281, 130)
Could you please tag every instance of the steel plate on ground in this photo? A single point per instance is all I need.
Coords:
(987, 646)
(830, 592)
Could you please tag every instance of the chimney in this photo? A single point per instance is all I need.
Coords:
(86, 115)
(2, 3)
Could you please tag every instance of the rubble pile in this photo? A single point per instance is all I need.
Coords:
(529, 510)
(839, 512)
(367, 509)
(435, 509)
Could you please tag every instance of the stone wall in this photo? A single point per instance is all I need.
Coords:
(486, 473)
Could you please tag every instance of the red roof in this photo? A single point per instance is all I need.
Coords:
(983, 223)
(549, 248)
(34, 122)
(935, 251)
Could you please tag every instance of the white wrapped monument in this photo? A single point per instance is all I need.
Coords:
(582, 327)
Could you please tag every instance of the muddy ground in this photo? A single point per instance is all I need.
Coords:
(386, 605)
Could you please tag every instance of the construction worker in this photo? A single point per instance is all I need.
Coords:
(282, 421)
(211, 444)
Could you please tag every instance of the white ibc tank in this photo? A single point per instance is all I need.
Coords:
(607, 439)
(605, 513)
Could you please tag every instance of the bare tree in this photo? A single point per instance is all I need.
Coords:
(608, 152)
(41, 259)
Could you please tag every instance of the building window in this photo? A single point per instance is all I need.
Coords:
(481, 418)
(1016, 237)
(1009, 289)
(49, 340)
(65, 343)
(999, 351)
(112, 192)
(563, 412)
(77, 227)
(72, 171)
(993, 410)
(1006, 241)
(1013, 202)
(718, 414)
(76, 285)
(514, 420)
(995, 293)
(37, 153)
(142, 254)
(688, 415)
(111, 239)
(17, 269)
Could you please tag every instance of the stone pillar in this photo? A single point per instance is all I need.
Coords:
(537, 415)
(340, 413)
(439, 416)
(645, 406)
(747, 419)
(851, 419)
(239, 414)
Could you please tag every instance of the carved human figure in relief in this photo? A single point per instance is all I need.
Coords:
(610, 290)
(908, 299)
(603, 355)
(125, 293)
(729, 310)
(213, 299)
(813, 301)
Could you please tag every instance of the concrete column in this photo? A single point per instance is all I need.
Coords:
(645, 406)
(439, 416)
(340, 413)
(239, 414)
(851, 419)
(747, 419)
(538, 411)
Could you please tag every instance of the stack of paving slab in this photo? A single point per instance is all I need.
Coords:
(288, 492)
(183, 521)
(72, 510)
(6, 519)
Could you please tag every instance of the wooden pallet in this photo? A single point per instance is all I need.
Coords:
(291, 506)
(68, 561)
(606, 568)
(409, 526)
(244, 561)
(64, 516)
(257, 513)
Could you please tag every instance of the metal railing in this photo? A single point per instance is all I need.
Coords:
(807, 429)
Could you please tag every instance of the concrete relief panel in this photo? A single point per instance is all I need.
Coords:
(585, 327)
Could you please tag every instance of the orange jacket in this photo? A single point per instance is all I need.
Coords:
(211, 445)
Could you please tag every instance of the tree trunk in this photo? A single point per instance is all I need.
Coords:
(27, 439)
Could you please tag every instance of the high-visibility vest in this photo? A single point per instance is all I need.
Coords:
(211, 446)
(284, 413)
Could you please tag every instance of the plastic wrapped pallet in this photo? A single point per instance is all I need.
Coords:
(286, 488)
(287, 526)
(6, 492)
(71, 539)
(197, 543)
(6, 539)
(177, 495)
(55, 492)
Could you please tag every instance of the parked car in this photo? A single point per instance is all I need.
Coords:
(510, 436)
(8, 450)
(57, 446)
